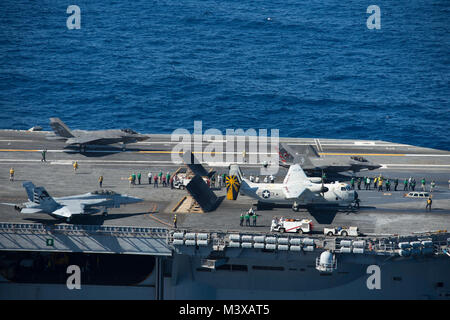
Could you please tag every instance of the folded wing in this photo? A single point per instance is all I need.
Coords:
(294, 182)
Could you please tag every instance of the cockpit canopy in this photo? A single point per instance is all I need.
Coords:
(104, 192)
(346, 188)
(129, 131)
(360, 159)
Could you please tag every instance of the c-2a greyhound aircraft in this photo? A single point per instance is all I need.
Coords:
(66, 207)
(297, 189)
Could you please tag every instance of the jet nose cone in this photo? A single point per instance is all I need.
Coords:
(374, 166)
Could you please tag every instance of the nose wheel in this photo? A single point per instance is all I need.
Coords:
(295, 206)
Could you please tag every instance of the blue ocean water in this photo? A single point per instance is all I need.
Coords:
(308, 68)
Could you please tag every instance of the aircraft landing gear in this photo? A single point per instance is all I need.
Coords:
(104, 212)
(295, 206)
(68, 220)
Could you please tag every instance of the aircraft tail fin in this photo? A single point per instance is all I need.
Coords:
(288, 156)
(60, 128)
(235, 171)
(29, 187)
(36, 194)
(233, 182)
(311, 152)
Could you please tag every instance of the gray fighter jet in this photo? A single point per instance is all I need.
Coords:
(97, 137)
(313, 164)
(66, 207)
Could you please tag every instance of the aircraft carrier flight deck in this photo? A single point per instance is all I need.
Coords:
(380, 212)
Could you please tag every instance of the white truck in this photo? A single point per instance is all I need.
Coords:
(342, 231)
(291, 225)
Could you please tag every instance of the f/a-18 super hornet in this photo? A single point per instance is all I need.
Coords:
(313, 164)
(97, 137)
(297, 190)
(67, 207)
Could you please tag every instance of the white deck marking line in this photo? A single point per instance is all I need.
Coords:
(319, 148)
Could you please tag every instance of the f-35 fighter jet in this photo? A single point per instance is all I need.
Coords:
(313, 164)
(97, 137)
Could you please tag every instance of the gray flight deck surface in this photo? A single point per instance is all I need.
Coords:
(380, 213)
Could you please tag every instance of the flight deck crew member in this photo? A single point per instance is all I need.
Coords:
(352, 182)
(405, 185)
(100, 181)
(272, 179)
(11, 174)
(380, 184)
(432, 186)
(375, 180)
(175, 221)
(241, 220)
(155, 182)
(429, 202)
(75, 166)
(423, 184)
(254, 219)
(247, 219)
(388, 185)
(359, 183)
(395, 184)
(149, 178)
(43, 155)
(139, 178)
(368, 183)
(257, 179)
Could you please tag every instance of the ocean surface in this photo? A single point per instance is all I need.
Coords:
(307, 68)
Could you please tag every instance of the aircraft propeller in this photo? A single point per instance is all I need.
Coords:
(323, 189)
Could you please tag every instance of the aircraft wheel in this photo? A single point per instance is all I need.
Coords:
(344, 234)
(281, 230)
(330, 234)
(300, 231)
(105, 214)
(68, 220)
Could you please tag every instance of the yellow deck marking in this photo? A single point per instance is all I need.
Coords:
(6, 150)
